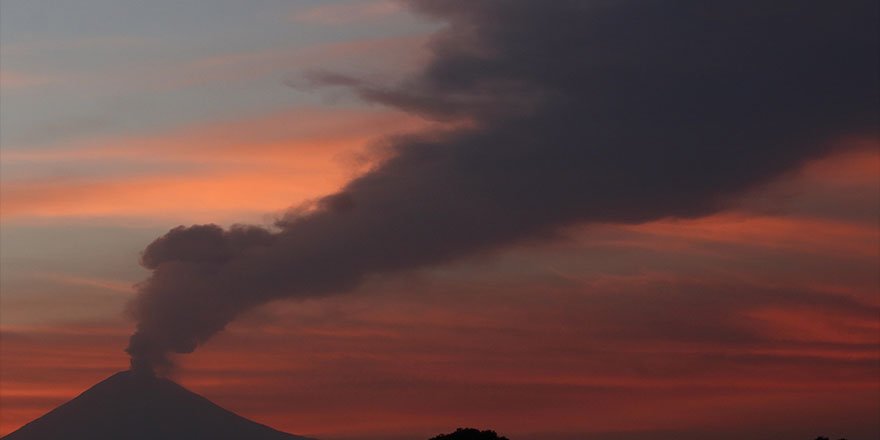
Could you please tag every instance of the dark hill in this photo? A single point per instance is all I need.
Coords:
(142, 407)
(470, 434)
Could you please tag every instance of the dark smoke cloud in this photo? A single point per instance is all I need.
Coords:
(579, 111)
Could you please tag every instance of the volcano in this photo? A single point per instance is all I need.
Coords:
(137, 406)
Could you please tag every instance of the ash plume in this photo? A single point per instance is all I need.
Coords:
(579, 111)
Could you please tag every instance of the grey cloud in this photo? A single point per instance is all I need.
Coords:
(603, 111)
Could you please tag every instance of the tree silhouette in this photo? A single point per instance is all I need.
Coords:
(470, 434)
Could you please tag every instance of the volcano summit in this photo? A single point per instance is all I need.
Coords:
(138, 406)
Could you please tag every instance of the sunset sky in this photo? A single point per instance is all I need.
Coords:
(752, 312)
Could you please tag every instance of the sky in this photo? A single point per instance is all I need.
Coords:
(729, 292)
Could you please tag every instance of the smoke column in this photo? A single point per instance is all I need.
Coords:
(578, 111)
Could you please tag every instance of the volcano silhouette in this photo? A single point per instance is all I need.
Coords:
(143, 407)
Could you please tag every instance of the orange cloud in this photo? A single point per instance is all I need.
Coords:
(859, 166)
(260, 165)
(801, 234)
(108, 285)
(215, 196)
(17, 80)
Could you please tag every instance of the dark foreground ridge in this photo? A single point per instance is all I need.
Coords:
(470, 434)
(143, 407)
